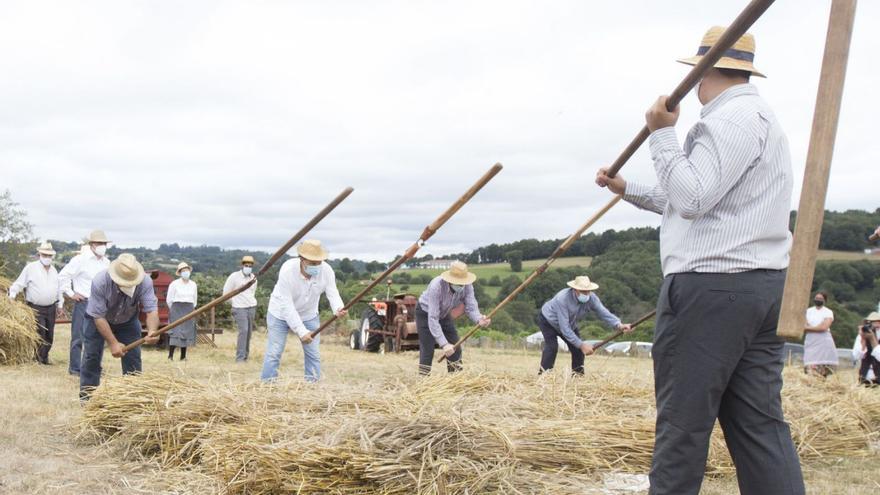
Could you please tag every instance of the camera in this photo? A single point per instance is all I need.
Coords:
(867, 328)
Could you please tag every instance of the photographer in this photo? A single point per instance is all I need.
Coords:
(867, 349)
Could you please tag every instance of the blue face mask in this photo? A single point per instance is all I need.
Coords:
(582, 298)
(247, 270)
(456, 287)
(185, 274)
(313, 270)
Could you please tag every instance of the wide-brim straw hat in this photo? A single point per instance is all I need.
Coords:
(126, 271)
(312, 250)
(458, 274)
(874, 316)
(97, 236)
(247, 259)
(46, 248)
(740, 57)
(583, 282)
(182, 265)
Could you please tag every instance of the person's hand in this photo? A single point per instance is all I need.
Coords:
(78, 297)
(872, 339)
(117, 349)
(614, 184)
(151, 338)
(587, 349)
(657, 117)
(60, 314)
(341, 313)
(626, 328)
(484, 322)
(448, 350)
(307, 338)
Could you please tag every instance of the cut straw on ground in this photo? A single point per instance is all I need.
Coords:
(18, 335)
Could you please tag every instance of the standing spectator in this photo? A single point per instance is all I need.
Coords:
(183, 295)
(75, 281)
(244, 306)
(820, 353)
(39, 280)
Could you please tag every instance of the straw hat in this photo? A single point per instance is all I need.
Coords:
(97, 236)
(182, 265)
(458, 274)
(126, 271)
(312, 250)
(739, 57)
(247, 259)
(583, 283)
(46, 248)
(874, 316)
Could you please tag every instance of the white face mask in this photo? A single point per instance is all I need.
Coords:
(128, 291)
(45, 261)
(100, 250)
(185, 274)
(247, 270)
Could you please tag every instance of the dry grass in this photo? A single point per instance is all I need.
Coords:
(18, 335)
(205, 426)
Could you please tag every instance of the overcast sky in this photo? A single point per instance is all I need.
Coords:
(233, 123)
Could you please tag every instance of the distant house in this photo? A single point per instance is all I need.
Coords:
(436, 264)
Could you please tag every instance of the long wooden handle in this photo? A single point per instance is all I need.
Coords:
(429, 231)
(620, 332)
(740, 25)
(560, 250)
(874, 237)
(275, 257)
(811, 210)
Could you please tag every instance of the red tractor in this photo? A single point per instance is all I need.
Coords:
(387, 326)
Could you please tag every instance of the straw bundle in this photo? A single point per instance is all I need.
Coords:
(463, 433)
(18, 335)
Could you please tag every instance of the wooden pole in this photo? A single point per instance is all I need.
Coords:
(426, 234)
(811, 210)
(278, 254)
(620, 332)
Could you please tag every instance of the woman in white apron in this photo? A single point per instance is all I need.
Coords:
(181, 299)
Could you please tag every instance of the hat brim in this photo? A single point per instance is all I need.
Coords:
(448, 277)
(123, 282)
(47, 252)
(592, 286)
(725, 63)
(184, 268)
(311, 257)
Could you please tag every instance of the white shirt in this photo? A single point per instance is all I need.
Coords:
(77, 276)
(819, 347)
(248, 298)
(295, 297)
(180, 291)
(40, 285)
(725, 197)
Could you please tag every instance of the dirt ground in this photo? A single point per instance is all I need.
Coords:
(39, 410)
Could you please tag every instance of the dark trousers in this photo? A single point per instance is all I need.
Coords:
(716, 355)
(93, 352)
(46, 328)
(869, 362)
(426, 342)
(77, 324)
(551, 347)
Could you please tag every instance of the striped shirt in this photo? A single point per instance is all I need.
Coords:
(725, 197)
(438, 301)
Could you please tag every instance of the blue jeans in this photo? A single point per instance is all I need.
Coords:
(93, 352)
(277, 338)
(77, 323)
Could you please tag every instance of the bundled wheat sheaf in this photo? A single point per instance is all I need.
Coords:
(18, 335)
(465, 433)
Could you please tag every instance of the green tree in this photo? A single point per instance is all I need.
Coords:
(17, 241)
(515, 259)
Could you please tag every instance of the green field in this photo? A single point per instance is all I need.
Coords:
(846, 256)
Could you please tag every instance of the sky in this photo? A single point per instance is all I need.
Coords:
(232, 123)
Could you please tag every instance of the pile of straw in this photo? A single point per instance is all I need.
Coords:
(465, 433)
(18, 335)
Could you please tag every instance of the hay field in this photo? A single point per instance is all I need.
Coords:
(40, 416)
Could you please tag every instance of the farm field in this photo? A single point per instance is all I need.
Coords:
(40, 413)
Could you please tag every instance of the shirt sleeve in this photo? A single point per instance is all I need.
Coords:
(65, 276)
(858, 352)
(20, 283)
(97, 306)
(148, 300)
(602, 312)
(695, 183)
(645, 197)
(283, 294)
(471, 307)
(332, 292)
(196, 293)
(433, 299)
(227, 287)
(171, 294)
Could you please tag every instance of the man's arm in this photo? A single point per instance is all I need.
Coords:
(19, 284)
(332, 293)
(103, 326)
(66, 275)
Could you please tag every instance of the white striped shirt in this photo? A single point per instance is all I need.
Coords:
(725, 198)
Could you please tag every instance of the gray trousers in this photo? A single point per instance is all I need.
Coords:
(244, 322)
(716, 355)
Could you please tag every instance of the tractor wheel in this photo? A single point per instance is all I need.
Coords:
(354, 340)
(374, 343)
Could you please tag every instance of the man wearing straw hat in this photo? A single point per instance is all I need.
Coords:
(293, 307)
(559, 317)
(244, 306)
(724, 243)
(118, 294)
(39, 280)
(434, 315)
(75, 280)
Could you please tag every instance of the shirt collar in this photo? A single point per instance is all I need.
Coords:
(727, 95)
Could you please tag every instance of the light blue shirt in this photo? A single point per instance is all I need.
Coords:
(564, 311)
